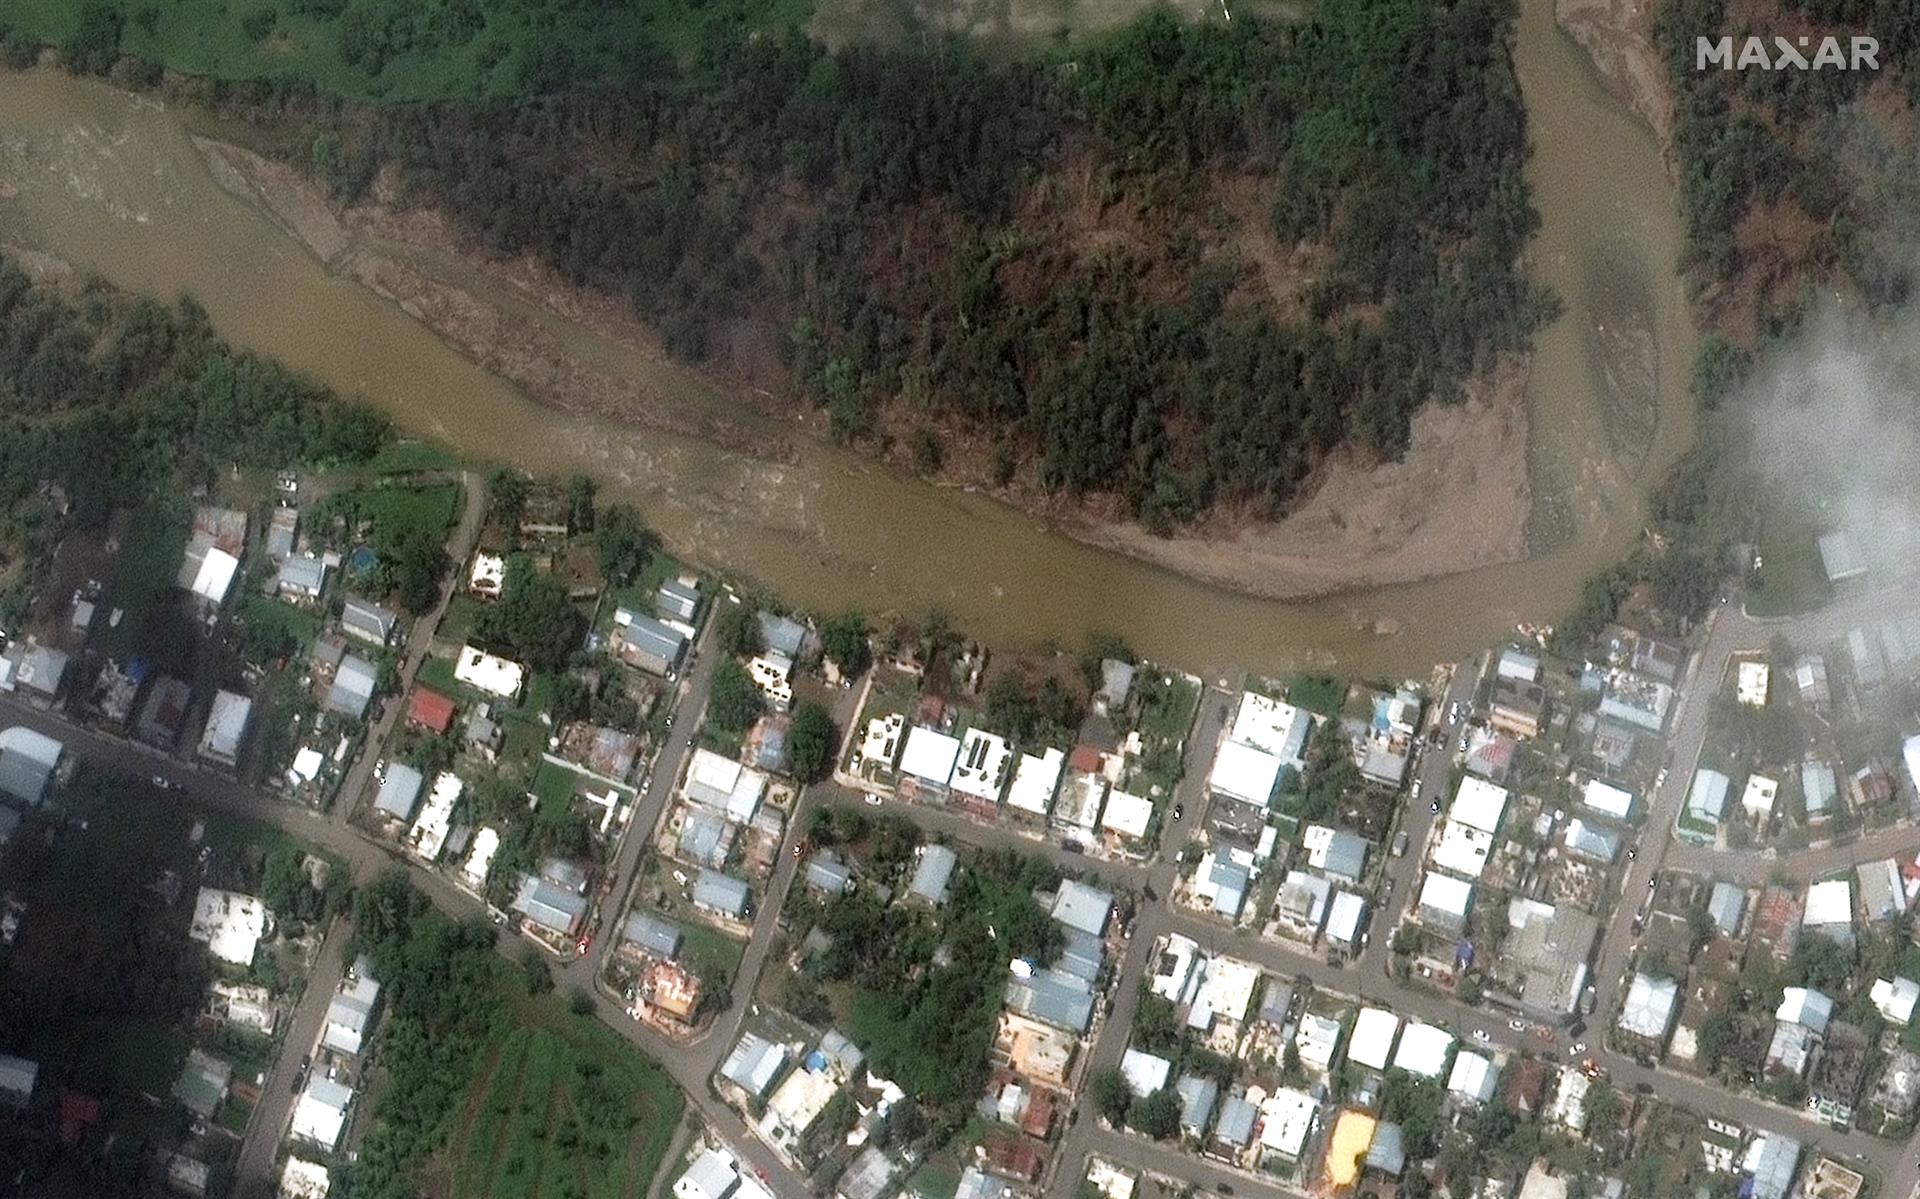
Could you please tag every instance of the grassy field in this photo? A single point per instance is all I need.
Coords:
(1791, 579)
(450, 49)
(142, 586)
(560, 1107)
(397, 511)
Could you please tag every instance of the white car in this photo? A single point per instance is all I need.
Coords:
(1480, 1035)
(874, 801)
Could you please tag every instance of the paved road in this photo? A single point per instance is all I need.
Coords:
(353, 789)
(253, 1172)
(1434, 775)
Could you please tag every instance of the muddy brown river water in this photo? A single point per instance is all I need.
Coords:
(112, 184)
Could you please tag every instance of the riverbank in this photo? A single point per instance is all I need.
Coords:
(390, 251)
(1617, 38)
(1458, 500)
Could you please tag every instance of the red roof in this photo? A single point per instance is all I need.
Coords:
(1085, 759)
(431, 710)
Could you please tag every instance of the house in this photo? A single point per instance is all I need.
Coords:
(399, 791)
(1116, 684)
(1767, 1169)
(650, 934)
(244, 1005)
(1423, 1050)
(868, 1176)
(203, 1083)
(1301, 904)
(1474, 1077)
(712, 1175)
(647, 644)
(207, 569)
(485, 672)
(354, 682)
(1462, 849)
(724, 786)
(321, 1113)
(28, 761)
(1648, 1010)
(1548, 946)
(1233, 1130)
(1840, 557)
(350, 1013)
(1081, 907)
(1726, 905)
(753, 1063)
(282, 527)
(548, 907)
(1374, 1032)
(1052, 997)
(163, 716)
(1316, 1039)
(678, 598)
(1607, 799)
(301, 1179)
(1819, 789)
(827, 874)
(933, 874)
(1517, 707)
(428, 836)
(1479, 804)
(301, 578)
(430, 711)
(1707, 798)
(1444, 901)
(1519, 666)
(487, 575)
(1594, 844)
(1638, 701)
(781, 635)
(1882, 894)
(929, 758)
(1829, 908)
(1145, 1072)
(229, 924)
(17, 1077)
(1810, 677)
(1344, 916)
(226, 728)
(1198, 1096)
(368, 621)
(1336, 853)
(980, 770)
(1798, 1024)
(1244, 773)
(1035, 780)
(705, 839)
(1895, 999)
(1757, 799)
(721, 895)
(1126, 818)
(1751, 682)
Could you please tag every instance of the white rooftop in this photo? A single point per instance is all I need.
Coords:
(1895, 997)
(1479, 803)
(1829, 904)
(1127, 814)
(1751, 687)
(1035, 779)
(1444, 893)
(1423, 1050)
(1315, 1039)
(493, 675)
(1462, 849)
(321, 1112)
(302, 1179)
(930, 755)
(1759, 794)
(1473, 1076)
(1287, 1119)
(229, 923)
(1649, 1006)
(1245, 773)
(1608, 799)
(982, 768)
(429, 833)
(486, 843)
(1145, 1072)
(1272, 725)
(1372, 1041)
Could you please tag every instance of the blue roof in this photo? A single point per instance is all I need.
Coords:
(782, 635)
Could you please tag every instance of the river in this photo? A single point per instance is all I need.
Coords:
(112, 184)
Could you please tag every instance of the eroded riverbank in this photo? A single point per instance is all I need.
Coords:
(114, 185)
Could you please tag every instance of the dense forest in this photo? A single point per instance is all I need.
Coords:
(888, 211)
(109, 401)
(1061, 263)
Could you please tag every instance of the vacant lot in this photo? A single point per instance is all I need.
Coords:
(561, 1108)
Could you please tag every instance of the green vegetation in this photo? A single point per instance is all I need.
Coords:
(128, 403)
(407, 528)
(512, 1092)
(734, 701)
(533, 620)
(912, 213)
(928, 1025)
(810, 742)
(843, 639)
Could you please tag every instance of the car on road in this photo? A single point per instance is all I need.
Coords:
(1480, 1035)
(1517, 1025)
(1434, 806)
(1400, 845)
(1660, 779)
(1576, 1049)
(1465, 740)
(1179, 810)
(874, 801)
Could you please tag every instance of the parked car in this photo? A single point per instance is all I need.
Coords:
(1400, 846)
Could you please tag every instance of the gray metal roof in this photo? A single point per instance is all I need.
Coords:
(704, 839)
(17, 1076)
(648, 636)
(367, 618)
(931, 876)
(302, 574)
(1197, 1097)
(1079, 906)
(1053, 997)
(354, 682)
(1235, 1126)
(827, 873)
(752, 1063)
(550, 907)
(1081, 955)
(679, 598)
(400, 791)
(781, 635)
(1346, 855)
(720, 893)
(652, 934)
(23, 778)
(1388, 1151)
(1726, 905)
